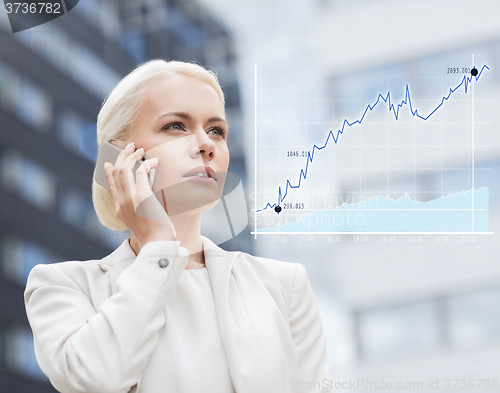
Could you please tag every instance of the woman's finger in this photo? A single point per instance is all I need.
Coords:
(129, 149)
(117, 169)
(145, 201)
(130, 163)
(108, 169)
(124, 171)
(142, 178)
(116, 180)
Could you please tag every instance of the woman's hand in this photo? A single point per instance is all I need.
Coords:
(136, 205)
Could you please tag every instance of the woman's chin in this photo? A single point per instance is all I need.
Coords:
(187, 203)
(204, 208)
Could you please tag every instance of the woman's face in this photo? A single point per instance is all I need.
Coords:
(182, 122)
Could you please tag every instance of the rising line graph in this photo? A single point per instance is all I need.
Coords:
(466, 80)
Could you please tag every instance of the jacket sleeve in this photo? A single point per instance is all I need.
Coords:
(82, 349)
(308, 336)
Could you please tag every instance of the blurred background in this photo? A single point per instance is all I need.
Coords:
(393, 311)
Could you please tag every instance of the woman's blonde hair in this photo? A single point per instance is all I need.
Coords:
(121, 108)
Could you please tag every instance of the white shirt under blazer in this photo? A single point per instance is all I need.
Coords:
(96, 323)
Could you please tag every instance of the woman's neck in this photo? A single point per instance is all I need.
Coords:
(188, 231)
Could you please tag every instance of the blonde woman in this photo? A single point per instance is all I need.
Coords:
(168, 310)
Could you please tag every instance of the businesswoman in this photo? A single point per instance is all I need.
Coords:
(168, 310)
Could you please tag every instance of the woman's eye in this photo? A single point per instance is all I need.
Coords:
(218, 131)
(174, 126)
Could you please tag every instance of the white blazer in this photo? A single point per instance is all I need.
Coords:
(95, 323)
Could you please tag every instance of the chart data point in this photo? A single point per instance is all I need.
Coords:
(473, 71)
(277, 209)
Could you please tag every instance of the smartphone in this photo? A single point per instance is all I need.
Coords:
(109, 153)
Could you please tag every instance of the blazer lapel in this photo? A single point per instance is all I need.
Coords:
(116, 263)
(260, 352)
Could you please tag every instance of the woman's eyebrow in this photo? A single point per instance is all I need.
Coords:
(188, 117)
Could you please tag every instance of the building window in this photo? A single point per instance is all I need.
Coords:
(20, 353)
(4, 22)
(77, 209)
(134, 43)
(77, 134)
(30, 180)
(190, 34)
(20, 256)
(102, 15)
(3, 343)
(29, 102)
(72, 58)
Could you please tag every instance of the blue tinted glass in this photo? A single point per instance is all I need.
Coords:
(71, 207)
(72, 58)
(78, 134)
(135, 44)
(22, 353)
(37, 185)
(89, 137)
(190, 34)
(3, 343)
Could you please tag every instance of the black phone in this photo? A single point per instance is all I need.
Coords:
(109, 152)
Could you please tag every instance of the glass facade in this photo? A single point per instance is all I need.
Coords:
(77, 134)
(29, 102)
(28, 179)
(74, 59)
(122, 34)
(20, 354)
(134, 42)
(19, 256)
(103, 16)
(77, 209)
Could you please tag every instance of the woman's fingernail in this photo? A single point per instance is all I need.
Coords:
(129, 145)
(106, 164)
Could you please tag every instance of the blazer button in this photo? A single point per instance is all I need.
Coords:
(163, 262)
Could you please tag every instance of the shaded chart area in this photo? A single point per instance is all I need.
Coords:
(452, 213)
(463, 209)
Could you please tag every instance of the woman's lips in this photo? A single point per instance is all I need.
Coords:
(204, 174)
(200, 179)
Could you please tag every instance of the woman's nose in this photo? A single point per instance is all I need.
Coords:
(204, 146)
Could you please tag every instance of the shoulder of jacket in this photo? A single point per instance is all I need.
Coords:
(73, 273)
(67, 267)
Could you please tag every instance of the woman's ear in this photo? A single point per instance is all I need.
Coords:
(117, 143)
